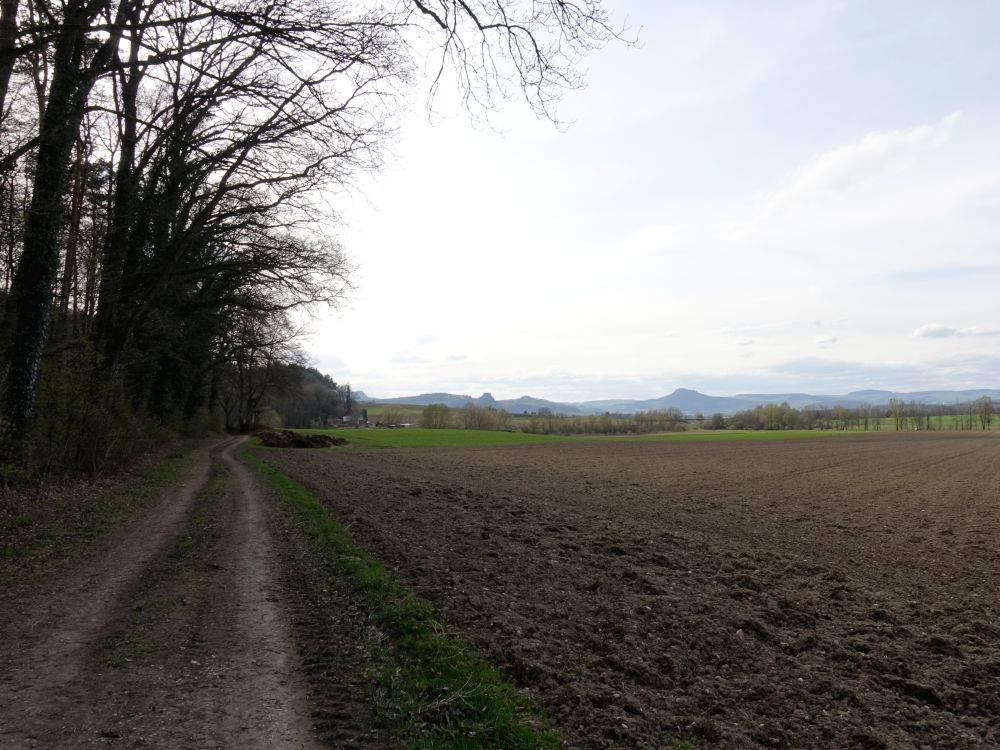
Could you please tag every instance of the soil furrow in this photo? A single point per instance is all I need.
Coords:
(740, 596)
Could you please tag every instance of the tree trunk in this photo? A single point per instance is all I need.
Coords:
(8, 40)
(27, 310)
(111, 329)
(68, 285)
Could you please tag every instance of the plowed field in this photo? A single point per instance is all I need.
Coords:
(838, 592)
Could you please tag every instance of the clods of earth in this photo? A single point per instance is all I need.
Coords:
(835, 592)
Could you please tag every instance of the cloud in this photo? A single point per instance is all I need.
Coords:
(826, 340)
(978, 332)
(650, 240)
(327, 361)
(747, 329)
(937, 275)
(845, 166)
(457, 358)
(824, 324)
(936, 331)
(835, 368)
(408, 359)
(745, 342)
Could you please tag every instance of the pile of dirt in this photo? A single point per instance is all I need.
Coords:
(289, 439)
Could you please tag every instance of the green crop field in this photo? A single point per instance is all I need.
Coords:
(945, 422)
(416, 437)
(421, 438)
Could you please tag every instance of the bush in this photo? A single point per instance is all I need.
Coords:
(85, 422)
(436, 417)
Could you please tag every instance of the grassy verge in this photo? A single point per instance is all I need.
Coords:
(432, 688)
(417, 437)
(47, 524)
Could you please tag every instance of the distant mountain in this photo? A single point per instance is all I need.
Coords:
(689, 401)
(806, 400)
(534, 405)
(927, 397)
(455, 401)
(686, 400)
(871, 396)
(425, 399)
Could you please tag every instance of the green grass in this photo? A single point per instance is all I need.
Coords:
(416, 437)
(944, 422)
(64, 520)
(174, 583)
(432, 688)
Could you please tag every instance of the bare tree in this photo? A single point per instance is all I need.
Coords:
(436, 416)
(255, 356)
(984, 405)
(493, 48)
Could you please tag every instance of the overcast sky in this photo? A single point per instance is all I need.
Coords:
(764, 197)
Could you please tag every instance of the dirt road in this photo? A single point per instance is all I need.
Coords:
(178, 631)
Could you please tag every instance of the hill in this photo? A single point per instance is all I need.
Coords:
(690, 401)
(457, 401)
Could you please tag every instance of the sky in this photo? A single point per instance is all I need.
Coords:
(760, 197)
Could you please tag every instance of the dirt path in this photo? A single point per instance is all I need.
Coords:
(47, 636)
(177, 632)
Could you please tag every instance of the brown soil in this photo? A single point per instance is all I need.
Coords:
(181, 630)
(837, 592)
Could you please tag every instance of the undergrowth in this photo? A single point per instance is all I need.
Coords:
(434, 689)
(46, 523)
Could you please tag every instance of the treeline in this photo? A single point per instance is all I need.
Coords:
(469, 417)
(292, 395)
(971, 415)
(663, 420)
(473, 417)
(898, 415)
(784, 417)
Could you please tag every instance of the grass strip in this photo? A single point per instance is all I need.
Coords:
(419, 437)
(174, 584)
(433, 688)
(53, 523)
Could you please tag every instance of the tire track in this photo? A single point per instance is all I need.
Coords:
(48, 637)
(174, 634)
